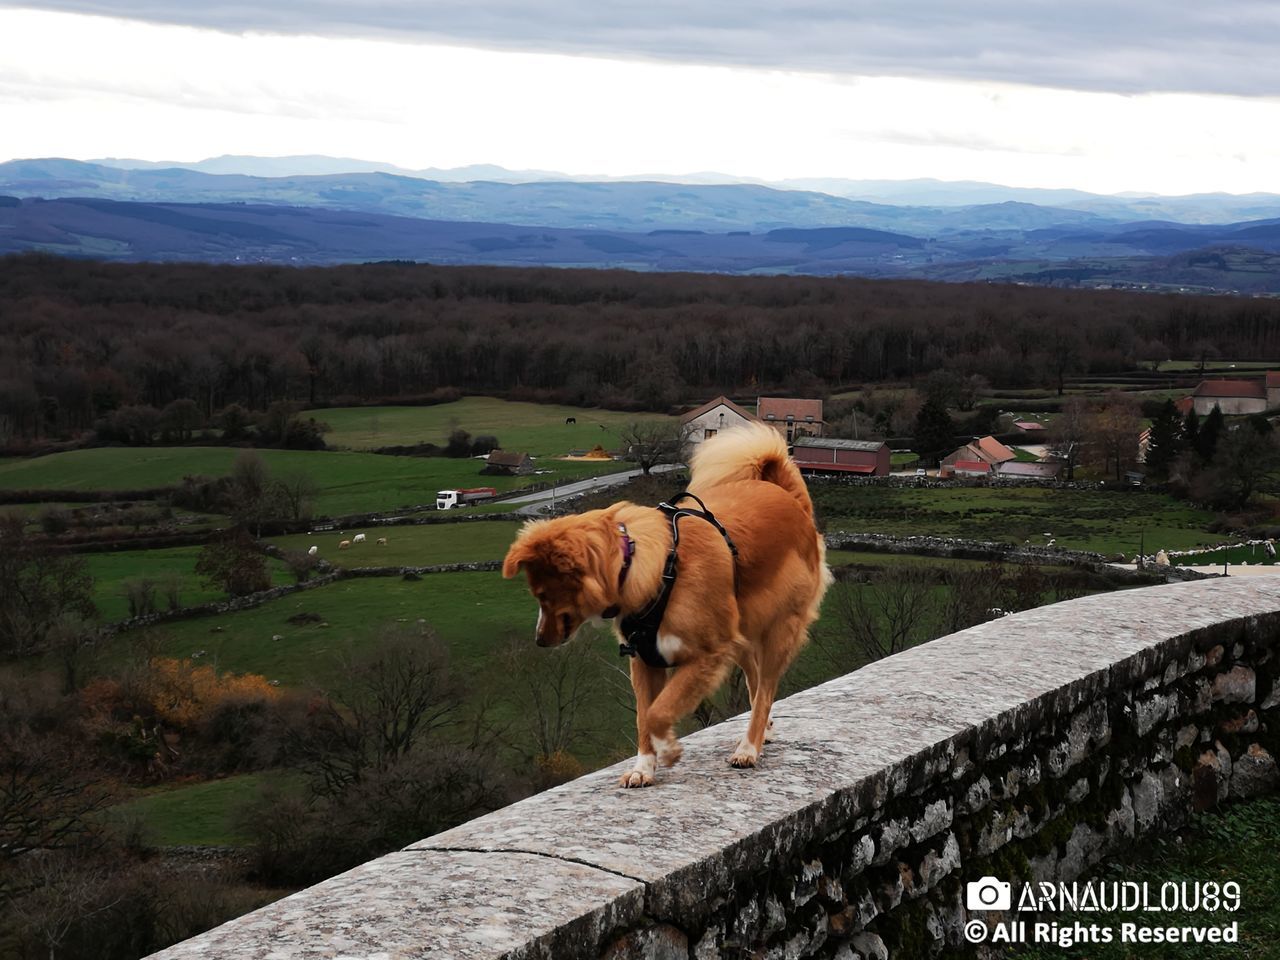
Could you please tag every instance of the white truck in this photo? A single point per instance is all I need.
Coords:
(448, 499)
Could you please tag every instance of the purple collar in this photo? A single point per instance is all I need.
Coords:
(628, 551)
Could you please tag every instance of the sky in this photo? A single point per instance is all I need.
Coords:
(1148, 97)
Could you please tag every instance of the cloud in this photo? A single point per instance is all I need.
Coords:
(1138, 46)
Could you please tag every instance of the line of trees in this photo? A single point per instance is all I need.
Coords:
(154, 351)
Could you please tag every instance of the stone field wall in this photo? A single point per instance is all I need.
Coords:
(1027, 748)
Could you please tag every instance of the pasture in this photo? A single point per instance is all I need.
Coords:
(1103, 521)
(197, 814)
(416, 545)
(473, 613)
(349, 483)
(176, 565)
(536, 428)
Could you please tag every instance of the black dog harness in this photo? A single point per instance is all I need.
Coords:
(641, 629)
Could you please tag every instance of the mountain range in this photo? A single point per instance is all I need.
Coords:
(331, 210)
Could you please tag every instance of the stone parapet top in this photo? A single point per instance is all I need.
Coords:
(562, 869)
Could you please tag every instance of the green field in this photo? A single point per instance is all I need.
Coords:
(349, 483)
(474, 613)
(110, 571)
(535, 428)
(196, 814)
(1217, 366)
(1105, 522)
(418, 545)
(1252, 554)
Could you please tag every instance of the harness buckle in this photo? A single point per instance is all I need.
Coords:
(627, 650)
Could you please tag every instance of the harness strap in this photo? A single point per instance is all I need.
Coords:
(641, 629)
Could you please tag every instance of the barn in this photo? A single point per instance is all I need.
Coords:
(832, 455)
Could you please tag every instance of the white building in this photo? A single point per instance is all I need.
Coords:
(712, 417)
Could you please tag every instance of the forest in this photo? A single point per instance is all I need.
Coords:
(80, 339)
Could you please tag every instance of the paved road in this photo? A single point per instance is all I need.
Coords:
(533, 503)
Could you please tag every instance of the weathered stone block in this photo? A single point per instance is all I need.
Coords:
(1273, 698)
(1254, 774)
(1244, 723)
(936, 864)
(1152, 711)
(1148, 793)
(936, 817)
(892, 835)
(660, 942)
(869, 946)
(1237, 685)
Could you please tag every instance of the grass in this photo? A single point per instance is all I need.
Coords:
(411, 546)
(535, 428)
(349, 483)
(1102, 521)
(1252, 554)
(1239, 845)
(474, 613)
(111, 570)
(1218, 365)
(197, 814)
(903, 460)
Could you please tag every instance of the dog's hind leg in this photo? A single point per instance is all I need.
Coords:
(647, 682)
(751, 670)
(780, 646)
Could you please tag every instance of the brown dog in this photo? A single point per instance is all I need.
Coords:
(754, 611)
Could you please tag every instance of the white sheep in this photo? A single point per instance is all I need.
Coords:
(382, 541)
(344, 545)
(358, 538)
(313, 551)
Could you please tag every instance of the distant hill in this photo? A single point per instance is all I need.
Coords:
(324, 216)
(921, 192)
(1242, 257)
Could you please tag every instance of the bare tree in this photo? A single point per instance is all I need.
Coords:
(1069, 432)
(388, 703)
(655, 442)
(1113, 427)
(894, 610)
(556, 689)
(38, 588)
(296, 494)
(47, 802)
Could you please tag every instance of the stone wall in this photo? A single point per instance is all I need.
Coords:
(1025, 748)
(958, 548)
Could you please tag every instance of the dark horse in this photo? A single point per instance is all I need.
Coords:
(570, 419)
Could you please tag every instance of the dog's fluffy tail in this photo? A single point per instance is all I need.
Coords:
(753, 451)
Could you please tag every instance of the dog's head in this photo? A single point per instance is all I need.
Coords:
(564, 560)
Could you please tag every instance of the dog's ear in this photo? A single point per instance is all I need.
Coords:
(524, 550)
(516, 557)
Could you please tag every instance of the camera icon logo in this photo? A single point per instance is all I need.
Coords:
(988, 894)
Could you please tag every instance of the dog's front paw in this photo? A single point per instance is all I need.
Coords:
(636, 778)
(640, 775)
(745, 755)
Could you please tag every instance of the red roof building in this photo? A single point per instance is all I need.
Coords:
(791, 417)
(832, 455)
(1231, 396)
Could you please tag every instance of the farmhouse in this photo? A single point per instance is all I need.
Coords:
(508, 463)
(704, 422)
(1237, 396)
(791, 417)
(965, 468)
(832, 455)
(984, 450)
